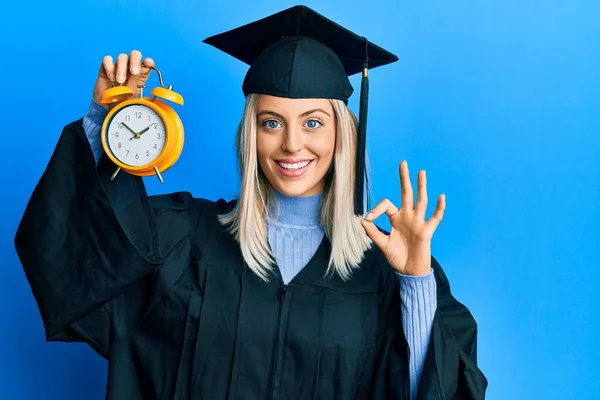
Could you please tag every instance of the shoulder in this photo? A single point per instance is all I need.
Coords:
(184, 201)
(376, 266)
(369, 276)
(182, 214)
(199, 214)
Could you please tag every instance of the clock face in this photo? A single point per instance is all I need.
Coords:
(136, 135)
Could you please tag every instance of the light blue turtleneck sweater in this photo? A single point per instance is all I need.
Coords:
(294, 236)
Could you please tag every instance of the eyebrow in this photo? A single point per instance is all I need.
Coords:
(304, 114)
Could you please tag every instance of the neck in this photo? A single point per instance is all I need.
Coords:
(295, 210)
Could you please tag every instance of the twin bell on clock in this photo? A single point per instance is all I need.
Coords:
(143, 136)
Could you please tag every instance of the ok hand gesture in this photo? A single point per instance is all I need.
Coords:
(408, 246)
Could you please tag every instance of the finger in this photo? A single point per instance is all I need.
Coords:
(135, 61)
(421, 207)
(138, 81)
(438, 214)
(379, 238)
(122, 61)
(406, 193)
(384, 206)
(148, 63)
(109, 68)
(146, 66)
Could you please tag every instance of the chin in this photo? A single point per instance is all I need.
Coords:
(292, 190)
(296, 189)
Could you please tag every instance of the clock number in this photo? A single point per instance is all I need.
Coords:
(155, 146)
(121, 126)
(119, 145)
(116, 134)
(126, 154)
(147, 153)
(127, 118)
(158, 135)
(155, 125)
(138, 114)
(137, 156)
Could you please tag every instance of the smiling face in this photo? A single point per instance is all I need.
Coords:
(295, 143)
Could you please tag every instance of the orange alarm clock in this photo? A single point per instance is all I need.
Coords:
(142, 135)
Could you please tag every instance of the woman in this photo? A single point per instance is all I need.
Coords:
(279, 294)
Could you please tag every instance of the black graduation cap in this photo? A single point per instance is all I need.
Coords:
(298, 53)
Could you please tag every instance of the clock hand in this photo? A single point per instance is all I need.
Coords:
(130, 130)
(135, 135)
(140, 133)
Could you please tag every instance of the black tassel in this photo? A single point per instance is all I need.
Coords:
(360, 175)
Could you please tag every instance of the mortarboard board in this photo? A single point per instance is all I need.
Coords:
(299, 53)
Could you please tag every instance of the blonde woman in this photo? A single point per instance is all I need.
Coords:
(285, 292)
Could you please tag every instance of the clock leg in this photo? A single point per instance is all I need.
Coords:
(114, 175)
(158, 174)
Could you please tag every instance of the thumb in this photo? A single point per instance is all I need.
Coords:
(146, 68)
(379, 238)
(140, 79)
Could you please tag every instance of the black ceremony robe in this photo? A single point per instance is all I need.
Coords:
(156, 286)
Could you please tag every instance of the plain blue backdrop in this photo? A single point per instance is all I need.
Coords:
(498, 100)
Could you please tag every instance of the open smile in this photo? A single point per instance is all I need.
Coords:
(293, 168)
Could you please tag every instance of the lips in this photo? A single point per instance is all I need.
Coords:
(292, 168)
(293, 165)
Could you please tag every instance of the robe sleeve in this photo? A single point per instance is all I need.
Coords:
(451, 370)
(87, 251)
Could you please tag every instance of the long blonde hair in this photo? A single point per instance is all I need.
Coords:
(247, 220)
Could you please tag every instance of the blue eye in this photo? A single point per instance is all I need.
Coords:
(313, 123)
(270, 124)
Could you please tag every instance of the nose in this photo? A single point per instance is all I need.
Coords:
(293, 140)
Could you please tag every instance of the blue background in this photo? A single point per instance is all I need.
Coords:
(498, 100)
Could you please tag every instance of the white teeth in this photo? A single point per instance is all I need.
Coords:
(293, 166)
